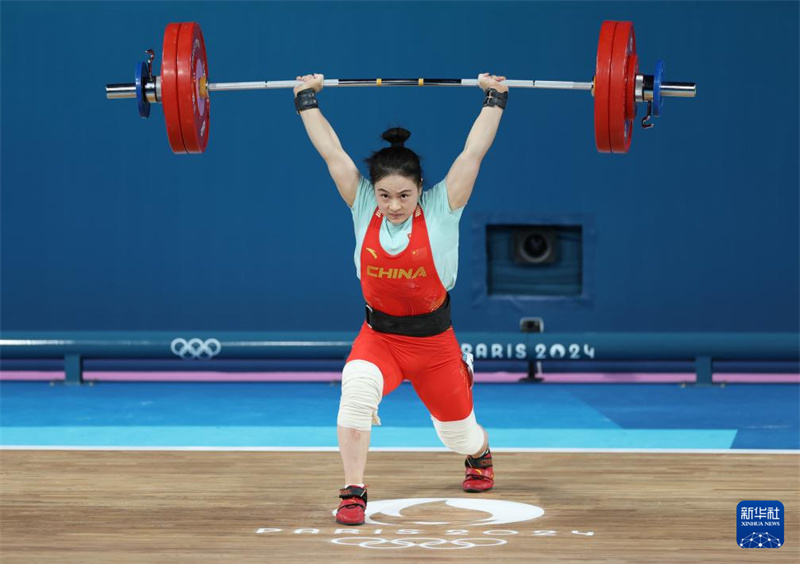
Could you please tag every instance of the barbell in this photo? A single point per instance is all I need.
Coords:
(184, 91)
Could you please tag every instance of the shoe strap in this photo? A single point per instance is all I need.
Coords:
(484, 461)
(478, 474)
(351, 492)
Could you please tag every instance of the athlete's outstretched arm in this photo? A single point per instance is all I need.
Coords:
(462, 175)
(340, 166)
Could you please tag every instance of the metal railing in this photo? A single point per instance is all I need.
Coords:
(701, 348)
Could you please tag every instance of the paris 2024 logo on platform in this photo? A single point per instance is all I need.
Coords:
(500, 512)
(436, 523)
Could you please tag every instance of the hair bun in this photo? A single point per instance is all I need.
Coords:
(397, 136)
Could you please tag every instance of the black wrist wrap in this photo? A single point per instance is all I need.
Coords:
(495, 98)
(305, 100)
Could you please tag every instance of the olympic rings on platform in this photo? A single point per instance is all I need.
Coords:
(196, 348)
(420, 542)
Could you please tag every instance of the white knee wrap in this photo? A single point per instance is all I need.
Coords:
(463, 437)
(362, 390)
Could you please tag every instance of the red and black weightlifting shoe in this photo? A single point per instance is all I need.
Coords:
(352, 507)
(479, 473)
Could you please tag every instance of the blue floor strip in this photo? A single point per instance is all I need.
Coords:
(641, 416)
(381, 437)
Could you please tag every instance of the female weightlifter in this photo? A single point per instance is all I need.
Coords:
(406, 258)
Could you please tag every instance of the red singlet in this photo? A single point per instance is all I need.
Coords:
(407, 284)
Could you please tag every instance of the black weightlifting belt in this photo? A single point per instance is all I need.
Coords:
(425, 325)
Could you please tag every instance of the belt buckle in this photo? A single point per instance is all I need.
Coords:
(369, 316)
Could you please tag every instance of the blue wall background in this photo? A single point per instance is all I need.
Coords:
(103, 228)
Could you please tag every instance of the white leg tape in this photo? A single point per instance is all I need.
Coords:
(362, 390)
(463, 437)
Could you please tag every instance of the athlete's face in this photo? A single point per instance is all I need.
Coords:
(397, 197)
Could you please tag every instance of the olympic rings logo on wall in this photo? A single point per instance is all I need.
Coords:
(431, 543)
(196, 348)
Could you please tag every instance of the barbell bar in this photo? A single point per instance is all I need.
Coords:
(118, 91)
(184, 91)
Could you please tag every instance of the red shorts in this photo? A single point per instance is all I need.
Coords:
(433, 365)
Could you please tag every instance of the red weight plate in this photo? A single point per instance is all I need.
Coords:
(601, 79)
(619, 90)
(630, 102)
(169, 89)
(192, 67)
